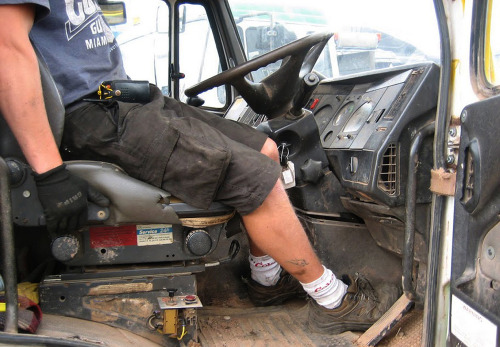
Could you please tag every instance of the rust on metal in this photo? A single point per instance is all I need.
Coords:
(442, 182)
(108, 310)
(121, 288)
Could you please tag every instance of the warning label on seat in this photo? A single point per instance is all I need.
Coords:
(154, 234)
(131, 235)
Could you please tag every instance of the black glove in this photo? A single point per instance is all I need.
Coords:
(64, 199)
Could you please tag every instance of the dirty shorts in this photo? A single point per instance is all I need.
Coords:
(195, 155)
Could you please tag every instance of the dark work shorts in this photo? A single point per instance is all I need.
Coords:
(195, 155)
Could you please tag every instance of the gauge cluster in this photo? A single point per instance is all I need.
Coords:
(366, 124)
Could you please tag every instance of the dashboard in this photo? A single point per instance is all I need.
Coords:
(365, 124)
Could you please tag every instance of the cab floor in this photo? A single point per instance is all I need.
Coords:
(285, 325)
(282, 325)
(229, 319)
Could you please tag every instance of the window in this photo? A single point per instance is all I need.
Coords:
(198, 56)
(369, 35)
(141, 30)
(485, 47)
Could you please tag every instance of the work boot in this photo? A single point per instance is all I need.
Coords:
(285, 289)
(360, 308)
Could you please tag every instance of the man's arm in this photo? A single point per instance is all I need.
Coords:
(63, 196)
(21, 97)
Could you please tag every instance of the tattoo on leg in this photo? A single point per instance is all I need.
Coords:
(298, 262)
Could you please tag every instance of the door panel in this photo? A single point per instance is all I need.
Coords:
(475, 287)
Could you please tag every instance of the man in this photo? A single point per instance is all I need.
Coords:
(193, 154)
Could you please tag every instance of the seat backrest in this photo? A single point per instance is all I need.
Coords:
(55, 111)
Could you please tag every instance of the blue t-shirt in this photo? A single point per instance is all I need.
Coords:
(77, 45)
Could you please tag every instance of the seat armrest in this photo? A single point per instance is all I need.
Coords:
(132, 201)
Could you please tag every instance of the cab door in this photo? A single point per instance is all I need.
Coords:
(475, 277)
(475, 309)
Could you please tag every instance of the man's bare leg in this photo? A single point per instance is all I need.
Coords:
(275, 230)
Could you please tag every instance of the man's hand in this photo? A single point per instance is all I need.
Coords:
(64, 199)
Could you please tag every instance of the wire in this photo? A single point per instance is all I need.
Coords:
(157, 326)
(184, 332)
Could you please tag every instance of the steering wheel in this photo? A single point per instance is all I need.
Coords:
(281, 91)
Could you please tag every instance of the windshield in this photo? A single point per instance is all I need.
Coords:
(369, 35)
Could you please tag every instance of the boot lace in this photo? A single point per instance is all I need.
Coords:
(365, 289)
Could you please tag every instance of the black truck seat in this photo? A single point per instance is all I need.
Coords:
(142, 224)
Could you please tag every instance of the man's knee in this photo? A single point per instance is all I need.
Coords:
(271, 150)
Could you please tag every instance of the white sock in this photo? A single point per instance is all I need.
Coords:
(327, 290)
(264, 270)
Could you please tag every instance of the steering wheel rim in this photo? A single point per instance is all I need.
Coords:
(263, 97)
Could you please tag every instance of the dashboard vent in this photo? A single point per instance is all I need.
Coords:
(388, 171)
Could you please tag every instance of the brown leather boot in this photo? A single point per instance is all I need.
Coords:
(360, 308)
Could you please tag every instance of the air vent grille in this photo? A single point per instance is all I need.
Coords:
(388, 171)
